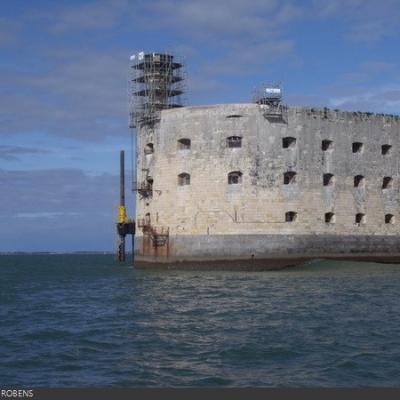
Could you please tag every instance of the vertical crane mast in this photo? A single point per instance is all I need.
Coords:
(122, 217)
(122, 178)
(125, 226)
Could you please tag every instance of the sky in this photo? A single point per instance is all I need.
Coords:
(64, 90)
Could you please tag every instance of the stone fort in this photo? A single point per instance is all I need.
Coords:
(260, 180)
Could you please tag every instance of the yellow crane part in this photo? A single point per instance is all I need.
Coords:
(122, 216)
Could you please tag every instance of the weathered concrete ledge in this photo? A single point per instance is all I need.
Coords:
(269, 252)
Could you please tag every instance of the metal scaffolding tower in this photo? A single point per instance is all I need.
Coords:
(156, 84)
(270, 97)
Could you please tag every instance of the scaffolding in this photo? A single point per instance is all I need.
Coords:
(157, 83)
(159, 235)
(269, 96)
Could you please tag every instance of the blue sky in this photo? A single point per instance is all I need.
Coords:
(64, 85)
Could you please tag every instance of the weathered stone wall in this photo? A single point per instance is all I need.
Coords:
(210, 206)
(264, 246)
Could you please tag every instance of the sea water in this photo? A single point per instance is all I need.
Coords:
(86, 321)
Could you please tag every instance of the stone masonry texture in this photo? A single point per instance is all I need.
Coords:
(211, 218)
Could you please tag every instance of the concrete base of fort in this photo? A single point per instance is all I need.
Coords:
(264, 252)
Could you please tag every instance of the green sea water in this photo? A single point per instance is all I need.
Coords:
(86, 321)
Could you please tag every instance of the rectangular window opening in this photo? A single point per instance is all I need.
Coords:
(386, 149)
(326, 145)
(290, 216)
(360, 219)
(389, 219)
(387, 182)
(359, 181)
(183, 179)
(289, 178)
(330, 218)
(184, 144)
(288, 142)
(234, 141)
(328, 179)
(357, 147)
(235, 178)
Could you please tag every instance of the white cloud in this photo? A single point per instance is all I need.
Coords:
(57, 209)
(51, 215)
(382, 99)
(56, 191)
(238, 19)
(371, 70)
(367, 21)
(89, 15)
(73, 96)
(72, 90)
(82, 93)
(241, 37)
(15, 152)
